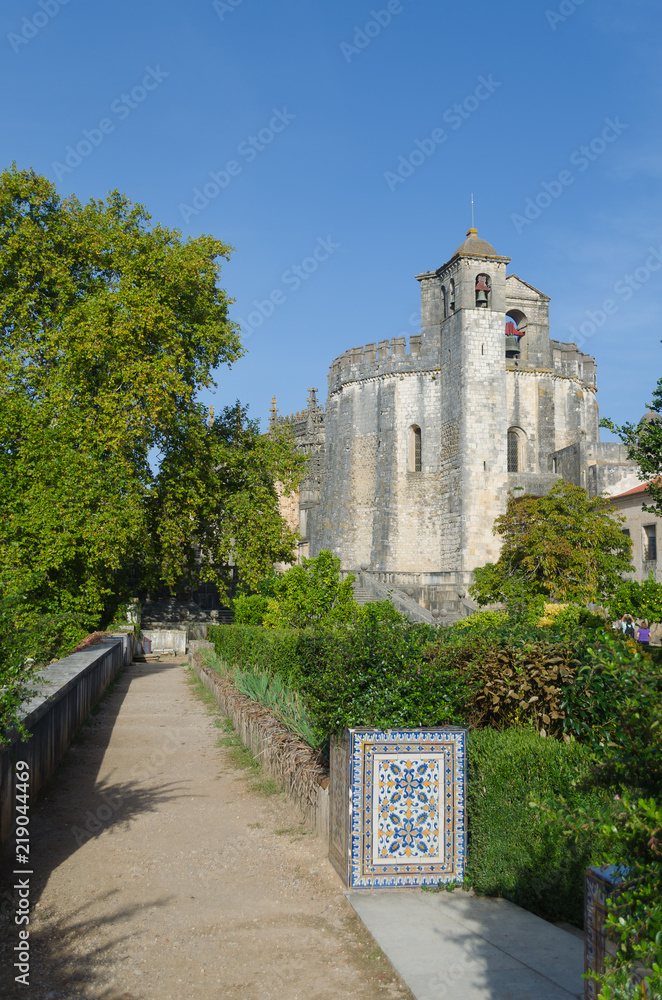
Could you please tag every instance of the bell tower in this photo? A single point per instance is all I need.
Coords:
(463, 307)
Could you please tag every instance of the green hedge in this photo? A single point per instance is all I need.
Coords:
(376, 675)
(513, 849)
(370, 675)
(274, 650)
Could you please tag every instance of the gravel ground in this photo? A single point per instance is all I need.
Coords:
(164, 867)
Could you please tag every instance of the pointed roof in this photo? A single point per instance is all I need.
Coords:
(475, 247)
(516, 277)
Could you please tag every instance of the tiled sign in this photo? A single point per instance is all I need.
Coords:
(397, 807)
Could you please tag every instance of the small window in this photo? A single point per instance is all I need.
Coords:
(415, 450)
(626, 532)
(555, 466)
(452, 295)
(650, 538)
(513, 452)
(444, 301)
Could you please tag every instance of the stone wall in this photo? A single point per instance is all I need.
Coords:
(597, 466)
(67, 691)
(636, 518)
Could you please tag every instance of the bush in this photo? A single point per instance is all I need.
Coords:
(251, 646)
(250, 610)
(642, 600)
(375, 675)
(480, 621)
(514, 851)
(312, 594)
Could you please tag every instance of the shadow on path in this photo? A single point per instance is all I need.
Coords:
(74, 807)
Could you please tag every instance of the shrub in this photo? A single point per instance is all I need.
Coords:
(250, 609)
(375, 675)
(513, 850)
(251, 646)
(480, 621)
(312, 594)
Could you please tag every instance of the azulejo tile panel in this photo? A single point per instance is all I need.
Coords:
(406, 798)
(599, 885)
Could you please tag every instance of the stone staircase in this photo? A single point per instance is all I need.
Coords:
(367, 589)
(223, 617)
(361, 595)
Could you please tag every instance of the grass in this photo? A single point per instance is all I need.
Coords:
(269, 690)
(293, 831)
(239, 755)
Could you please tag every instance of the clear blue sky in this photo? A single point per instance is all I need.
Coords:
(347, 97)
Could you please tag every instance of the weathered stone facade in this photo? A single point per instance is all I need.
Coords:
(417, 449)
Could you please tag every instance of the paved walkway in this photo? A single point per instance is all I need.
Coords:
(160, 874)
(462, 946)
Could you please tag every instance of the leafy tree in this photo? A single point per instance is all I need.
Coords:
(566, 546)
(643, 600)
(312, 594)
(644, 446)
(215, 505)
(109, 327)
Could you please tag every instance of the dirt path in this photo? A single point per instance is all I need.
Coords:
(161, 873)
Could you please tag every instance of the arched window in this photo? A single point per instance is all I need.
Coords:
(518, 318)
(451, 304)
(483, 291)
(516, 450)
(415, 449)
(444, 301)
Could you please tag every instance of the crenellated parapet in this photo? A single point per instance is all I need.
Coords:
(378, 359)
(573, 363)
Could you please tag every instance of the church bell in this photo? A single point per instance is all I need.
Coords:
(482, 288)
(512, 346)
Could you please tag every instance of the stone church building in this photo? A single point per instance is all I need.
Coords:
(414, 454)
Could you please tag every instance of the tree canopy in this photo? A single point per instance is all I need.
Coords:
(109, 328)
(312, 593)
(566, 546)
